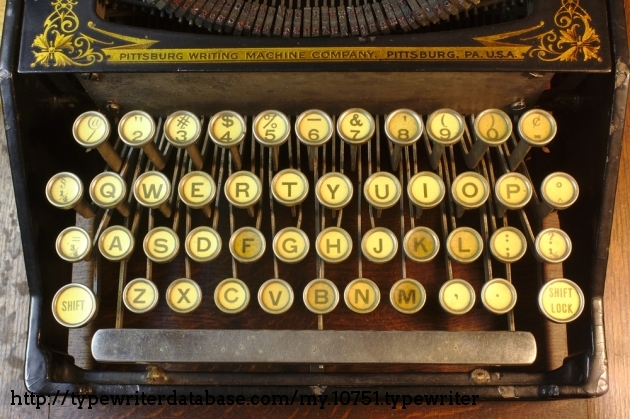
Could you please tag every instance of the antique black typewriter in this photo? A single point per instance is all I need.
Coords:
(315, 195)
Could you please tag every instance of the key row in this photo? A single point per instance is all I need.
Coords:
(290, 187)
(560, 300)
(333, 244)
(314, 128)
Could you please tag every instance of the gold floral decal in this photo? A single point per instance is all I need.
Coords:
(60, 45)
(574, 38)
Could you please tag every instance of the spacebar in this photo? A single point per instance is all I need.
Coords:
(313, 346)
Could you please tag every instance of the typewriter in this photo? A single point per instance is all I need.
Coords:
(315, 196)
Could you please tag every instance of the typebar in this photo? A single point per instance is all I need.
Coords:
(314, 346)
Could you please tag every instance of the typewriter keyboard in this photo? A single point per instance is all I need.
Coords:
(404, 223)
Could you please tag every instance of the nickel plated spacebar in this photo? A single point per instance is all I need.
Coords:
(314, 347)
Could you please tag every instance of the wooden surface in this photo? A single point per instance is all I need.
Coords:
(615, 404)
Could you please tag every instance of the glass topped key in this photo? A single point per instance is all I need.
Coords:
(513, 191)
(536, 128)
(559, 191)
(116, 243)
(362, 296)
(426, 190)
(498, 296)
(275, 296)
(231, 296)
(382, 190)
(243, 190)
(407, 296)
(183, 295)
(403, 127)
(333, 245)
(355, 126)
(445, 127)
(272, 129)
(470, 190)
(152, 190)
(561, 300)
(137, 129)
(291, 245)
(182, 129)
(321, 296)
(464, 245)
(65, 190)
(379, 245)
(552, 246)
(74, 305)
(140, 296)
(508, 244)
(74, 244)
(289, 187)
(161, 245)
(203, 244)
(313, 128)
(227, 129)
(334, 190)
(492, 128)
(247, 244)
(91, 130)
(421, 244)
(108, 190)
(457, 296)
(197, 190)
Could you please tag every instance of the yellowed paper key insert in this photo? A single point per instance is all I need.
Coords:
(231, 296)
(74, 305)
(321, 296)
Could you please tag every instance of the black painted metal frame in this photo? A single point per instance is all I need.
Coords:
(49, 370)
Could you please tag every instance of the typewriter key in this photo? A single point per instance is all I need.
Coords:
(492, 128)
(470, 190)
(457, 296)
(197, 190)
(552, 245)
(407, 296)
(403, 128)
(313, 128)
(91, 130)
(231, 296)
(508, 244)
(333, 244)
(559, 191)
(108, 190)
(140, 296)
(65, 190)
(116, 243)
(421, 244)
(513, 191)
(561, 300)
(321, 296)
(243, 190)
(183, 295)
(334, 190)
(464, 245)
(272, 129)
(426, 190)
(379, 245)
(355, 126)
(289, 187)
(203, 244)
(227, 129)
(445, 127)
(275, 296)
(247, 244)
(382, 190)
(182, 130)
(291, 245)
(498, 296)
(152, 190)
(74, 244)
(536, 129)
(161, 244)
(362, 296)
(74, 305)
(137, 129)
